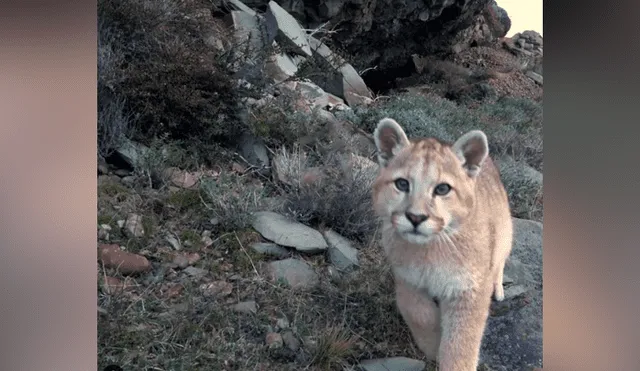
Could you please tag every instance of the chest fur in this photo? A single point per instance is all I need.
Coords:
(437, 281)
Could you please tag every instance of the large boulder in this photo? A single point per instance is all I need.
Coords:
(513, 337)
(528, 47)
(385, 33)
(492, 24)
(342, 79)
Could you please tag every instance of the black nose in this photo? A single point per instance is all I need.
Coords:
(416, 219)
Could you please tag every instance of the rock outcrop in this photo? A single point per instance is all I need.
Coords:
(386, 33)
(492, 24)
(513, 338)
(527, 46)
(278, 44)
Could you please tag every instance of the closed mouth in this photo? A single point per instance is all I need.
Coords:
(414, 232)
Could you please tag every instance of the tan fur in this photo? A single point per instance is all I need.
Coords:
(457, 255)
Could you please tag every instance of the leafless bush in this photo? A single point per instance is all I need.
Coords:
(332, 191)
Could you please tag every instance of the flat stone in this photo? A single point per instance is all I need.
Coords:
(131, 152)
(292, 272)
(268, 248)
(341, 253)
(196, 272)
(239, 5)
(103, 168)
(173, 241)
(282, 323)
(344, 82)
(513, 337)
(287, 232)
(291, 341)
(249, 33)
(280, 67)
(254, 150)
(393, 364)
(535, 77)
(180, 178)
(286, 29)
(317, 97)
(181, 261)
(133, 226)
(246, 307)
(513, 291)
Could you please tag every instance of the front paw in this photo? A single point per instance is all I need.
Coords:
(498, 293)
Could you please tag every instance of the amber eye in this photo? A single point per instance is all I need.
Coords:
(402, 185)
(442, 189)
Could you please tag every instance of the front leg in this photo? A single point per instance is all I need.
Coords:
(463, 322)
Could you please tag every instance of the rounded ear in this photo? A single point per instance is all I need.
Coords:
(390, 138)
(472, 149)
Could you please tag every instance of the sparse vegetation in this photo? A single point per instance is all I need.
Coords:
(231, 199)
(168, 78)
(332, 191)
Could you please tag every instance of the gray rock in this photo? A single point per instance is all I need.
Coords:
(344, 82)
(254, 151)
(286, 29)
(341, 254)
(513, 337)
(129, 180)
(239, 5)
(280, 67)
(103, 231)
(291, 341)
(329, 9)
(250, 34)
(133, 226)
(316, 97)
(173, 241)
(517, 273)
(131, 152)
(313, 94)
(292, 272)
(181, 261)
(393, 364)
(247, 307)
(270, 249)
(103, 168)
(355, 91)
(534, 37)
(335, 275)
(287, 232)
(196, 272)
(282, 323)
(122, 173)
(535, 77)
(512, 291)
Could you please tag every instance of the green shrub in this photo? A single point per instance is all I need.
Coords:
(524, 187)
(231, 198)
(513, 125)
(153, 54)
(281, 121)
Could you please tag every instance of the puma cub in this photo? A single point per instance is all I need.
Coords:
(446, 232)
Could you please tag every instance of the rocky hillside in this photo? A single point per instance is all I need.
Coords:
(235, 158)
